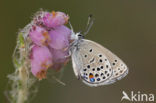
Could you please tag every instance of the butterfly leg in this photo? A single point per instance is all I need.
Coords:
(67, 56)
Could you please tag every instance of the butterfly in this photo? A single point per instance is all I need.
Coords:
(94, 64)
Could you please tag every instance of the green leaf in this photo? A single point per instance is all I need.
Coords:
(21, 39)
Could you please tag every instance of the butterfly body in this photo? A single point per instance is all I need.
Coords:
(94, 64)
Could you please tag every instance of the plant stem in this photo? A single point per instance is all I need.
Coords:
(21, 82)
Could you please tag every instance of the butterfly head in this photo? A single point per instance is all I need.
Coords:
(79, 35)
(76, 36)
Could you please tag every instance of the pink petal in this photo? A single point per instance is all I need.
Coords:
(60, 58)
(39, 36)
(55, 19)
(60, 37)
(41, 60)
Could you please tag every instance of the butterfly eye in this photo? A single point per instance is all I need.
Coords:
(80, 36)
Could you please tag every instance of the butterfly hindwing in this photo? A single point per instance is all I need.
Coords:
(120, 70)
(90, 64)
(96, 65)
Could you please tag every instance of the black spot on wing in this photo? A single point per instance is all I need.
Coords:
(92, 60)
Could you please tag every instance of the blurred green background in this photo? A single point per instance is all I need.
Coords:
(126, 27)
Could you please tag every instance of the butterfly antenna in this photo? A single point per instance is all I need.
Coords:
(89, 24)
(71, 27)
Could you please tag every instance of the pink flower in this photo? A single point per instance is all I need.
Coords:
(60, 58)
(51, 39)
(41, 60)
(39, 36)
(54, 19)
(60, 37)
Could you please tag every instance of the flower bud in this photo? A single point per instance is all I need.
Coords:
(60, 58)
(51, 39)
(39, 36)
(54, 19)
(41, 60)
(60, 37)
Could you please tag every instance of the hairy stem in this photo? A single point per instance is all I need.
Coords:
(21, 82)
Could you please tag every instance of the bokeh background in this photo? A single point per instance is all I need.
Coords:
(126, 27)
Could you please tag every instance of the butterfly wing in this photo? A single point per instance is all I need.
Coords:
(94, 64)
(120, 69)
(91, 64)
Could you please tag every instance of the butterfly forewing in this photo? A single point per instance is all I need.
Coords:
(91, 64)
